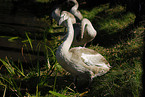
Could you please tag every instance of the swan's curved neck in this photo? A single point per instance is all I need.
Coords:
(75, 7)
(86, 24)
(65, 46)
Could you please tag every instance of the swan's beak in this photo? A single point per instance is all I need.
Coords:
(63, 18)
(61, 21)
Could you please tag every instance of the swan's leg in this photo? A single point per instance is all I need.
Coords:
(75, 82)
(90, 81)
(85, 44)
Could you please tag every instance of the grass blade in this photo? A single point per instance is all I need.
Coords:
(7, 80)
(12, 39)
(57, 94)
(19, 71)
(5, 91)
(30, 42)
(8, 67)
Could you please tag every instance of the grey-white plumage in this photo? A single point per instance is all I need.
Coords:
(86, 33)
(79, 61)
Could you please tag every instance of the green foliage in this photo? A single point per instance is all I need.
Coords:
(9, 80)
(8, 67)
(91, 14)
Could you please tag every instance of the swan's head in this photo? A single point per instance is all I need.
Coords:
(63, 17)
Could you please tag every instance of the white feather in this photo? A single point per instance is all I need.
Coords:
(90, 60)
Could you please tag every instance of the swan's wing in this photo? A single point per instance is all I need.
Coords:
(94, 60)
(89, 57)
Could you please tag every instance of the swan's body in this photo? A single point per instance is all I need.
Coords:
(86, 33)
(79, 61)
(74, 10)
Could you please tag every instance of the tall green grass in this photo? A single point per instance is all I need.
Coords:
(8, 80)
(15, 74)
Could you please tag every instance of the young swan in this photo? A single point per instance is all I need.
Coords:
(79, 61)
(86, 33)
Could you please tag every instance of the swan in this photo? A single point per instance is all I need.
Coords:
(86, 33)
(74, 10)
(79, 61)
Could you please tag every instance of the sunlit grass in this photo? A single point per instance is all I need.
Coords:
(91, 14)
(112, 25)
(108, 19)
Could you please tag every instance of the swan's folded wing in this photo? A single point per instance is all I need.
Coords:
(94, 60)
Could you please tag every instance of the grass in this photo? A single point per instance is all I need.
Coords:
(118, 41)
